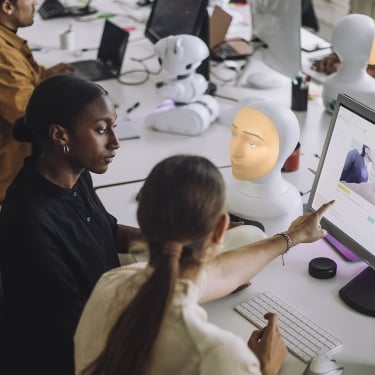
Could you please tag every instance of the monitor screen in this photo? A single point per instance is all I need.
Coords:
(113, 46)
(277, 23)
(346, 173)
(173, 17)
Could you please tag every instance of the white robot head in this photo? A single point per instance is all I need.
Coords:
(353, 37)
(181, 54)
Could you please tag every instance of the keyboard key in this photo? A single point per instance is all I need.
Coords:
(303, 338)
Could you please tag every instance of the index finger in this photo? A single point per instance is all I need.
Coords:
(324, 207)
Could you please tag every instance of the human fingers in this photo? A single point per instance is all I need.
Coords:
(324, 207)
(255, 338)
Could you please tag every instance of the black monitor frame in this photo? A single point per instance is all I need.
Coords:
(176, 13)
(359, 293)
(157, 28)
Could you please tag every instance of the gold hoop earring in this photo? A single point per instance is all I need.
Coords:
(66, 150)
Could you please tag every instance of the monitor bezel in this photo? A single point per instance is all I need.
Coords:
(344, 239)
(111, 28)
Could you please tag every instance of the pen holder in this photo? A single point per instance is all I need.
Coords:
(299, 97)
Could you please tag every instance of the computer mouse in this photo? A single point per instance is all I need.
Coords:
(323, 365)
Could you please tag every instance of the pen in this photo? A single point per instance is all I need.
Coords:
(133, 107)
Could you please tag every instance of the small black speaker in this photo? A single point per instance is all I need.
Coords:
(322, 268)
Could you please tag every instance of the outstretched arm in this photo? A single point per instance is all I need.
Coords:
(227, 271)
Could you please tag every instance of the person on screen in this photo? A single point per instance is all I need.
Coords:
(357, 164)
(19, 74)
(56, 237)
(330, 63)
(146, 319)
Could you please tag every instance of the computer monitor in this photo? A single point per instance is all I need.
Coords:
(275, 29)
(346, 173)
(173, 17)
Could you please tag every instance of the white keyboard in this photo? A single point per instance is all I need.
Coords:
(303, 338)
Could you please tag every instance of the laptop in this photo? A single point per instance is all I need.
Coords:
(222, 49)
(108, 62)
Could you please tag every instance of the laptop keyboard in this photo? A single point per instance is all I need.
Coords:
(91, 70)
(53, 9)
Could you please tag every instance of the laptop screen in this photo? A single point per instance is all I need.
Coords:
(112, 47)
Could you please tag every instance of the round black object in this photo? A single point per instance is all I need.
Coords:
(322, 268)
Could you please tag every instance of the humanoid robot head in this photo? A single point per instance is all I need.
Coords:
(254, 146)
(263, 136)
(181, 54)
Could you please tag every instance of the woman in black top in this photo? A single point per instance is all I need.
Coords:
(56, 237)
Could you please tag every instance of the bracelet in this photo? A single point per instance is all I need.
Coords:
(288, 244)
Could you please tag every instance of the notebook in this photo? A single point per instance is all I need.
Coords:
(222, 49)
(110, 56)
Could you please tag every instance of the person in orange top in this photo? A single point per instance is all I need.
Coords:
(19, 75)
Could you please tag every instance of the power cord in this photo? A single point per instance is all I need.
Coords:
(146, 71)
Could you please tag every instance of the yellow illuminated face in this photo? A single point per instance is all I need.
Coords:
(254, 146)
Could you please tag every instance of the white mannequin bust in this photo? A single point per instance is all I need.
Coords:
(263, 137)
(352, 40)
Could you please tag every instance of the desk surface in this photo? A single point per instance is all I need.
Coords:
(317, 299)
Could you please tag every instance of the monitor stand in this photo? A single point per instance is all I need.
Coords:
(359, 293)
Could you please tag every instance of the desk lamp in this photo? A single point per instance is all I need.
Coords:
(191, 110)
(352, 40)
(263, 136)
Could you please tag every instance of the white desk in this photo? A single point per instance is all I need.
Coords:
(316, 298)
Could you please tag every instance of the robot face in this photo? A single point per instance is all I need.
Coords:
(254, 146)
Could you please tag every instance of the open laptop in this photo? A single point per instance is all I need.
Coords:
(110, 56)
(220, 47)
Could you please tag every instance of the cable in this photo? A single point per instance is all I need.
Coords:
(145, 70)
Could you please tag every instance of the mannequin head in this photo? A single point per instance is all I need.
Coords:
(263, 136)
(353, 37)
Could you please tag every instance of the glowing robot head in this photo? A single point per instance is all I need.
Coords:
(181, 54)
(353, 37)
(263, 136)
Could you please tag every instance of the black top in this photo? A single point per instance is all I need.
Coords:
(55, 244)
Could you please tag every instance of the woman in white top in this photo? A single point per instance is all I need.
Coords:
(147, 320)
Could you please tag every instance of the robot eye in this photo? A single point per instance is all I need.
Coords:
(188, 66)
